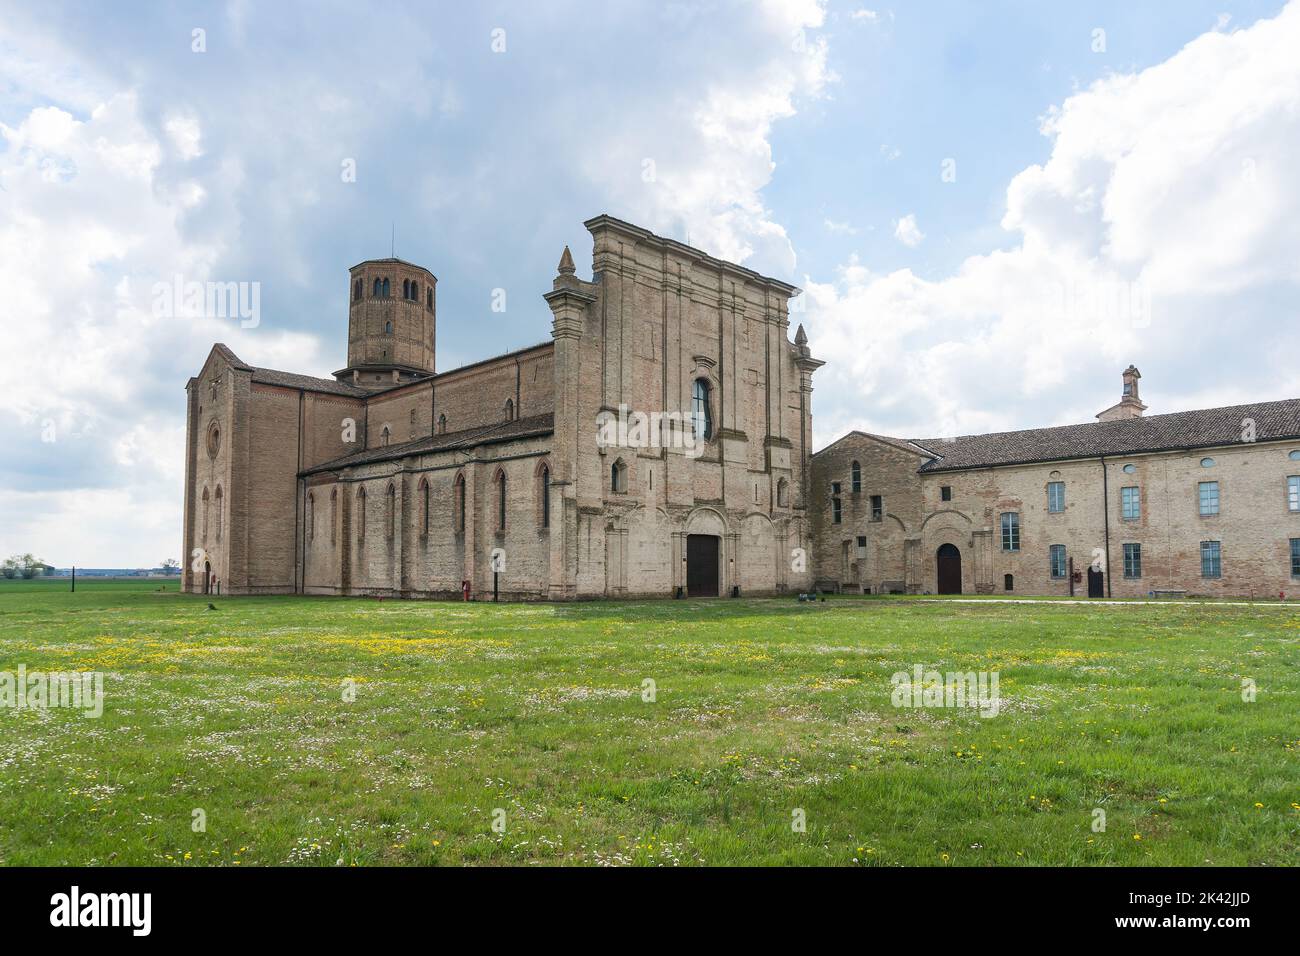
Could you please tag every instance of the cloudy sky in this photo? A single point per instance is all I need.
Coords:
(993, 208)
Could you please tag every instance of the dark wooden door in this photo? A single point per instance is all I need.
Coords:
(702, 565)
(1096, 583)
(949, 561)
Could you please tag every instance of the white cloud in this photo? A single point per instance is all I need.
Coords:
(906, 231)
(1164, 229)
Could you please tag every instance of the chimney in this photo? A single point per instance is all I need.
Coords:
(1130, 404)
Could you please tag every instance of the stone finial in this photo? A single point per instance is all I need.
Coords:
(566, 263)
(800, 336)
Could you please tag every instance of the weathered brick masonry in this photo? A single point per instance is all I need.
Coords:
(394, 479)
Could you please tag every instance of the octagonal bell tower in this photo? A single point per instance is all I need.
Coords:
(391, 323)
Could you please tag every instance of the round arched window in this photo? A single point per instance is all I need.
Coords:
(1295, 455)
(1130, 469)
(214, 440)
(1207, 462)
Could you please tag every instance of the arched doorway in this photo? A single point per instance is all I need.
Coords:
(207, 577)
(948, 559)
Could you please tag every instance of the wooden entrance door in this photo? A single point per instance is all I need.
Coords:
(1096, 583)
(702, 565)
(948, 559)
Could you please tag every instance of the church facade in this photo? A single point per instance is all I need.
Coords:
(660, 444)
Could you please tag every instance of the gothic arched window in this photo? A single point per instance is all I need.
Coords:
(334, 516)
(311, 516)
(205, 514)
(384, 437)
(385, 288)
(406, 288)
(220, 503)
(618, 476)
(361, 513)
(510, 409)
(390, 510)
(415, 291)
(379, 288)
(701, 413)
(442, 424)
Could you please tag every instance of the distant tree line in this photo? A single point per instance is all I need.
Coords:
(24, 566)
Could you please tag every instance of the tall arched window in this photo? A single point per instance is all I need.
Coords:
(384, 437)
(220, 506)
(388, 328)
(390, 510)
(855, 477)
(544, 494)
(361, 513)
(458, 503)
(442, 424)
(385, 288)
(356, 290)
(501, 499)
(334, 516)
(510, 409)
(428, 299)
(311, 516)
(415, 291)
(618, 476)
(424, 506)
(701, 413)
(379, 289)
(406, 288)
(205, 514)
(783, 494)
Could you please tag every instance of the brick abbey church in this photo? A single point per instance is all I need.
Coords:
(394, 479)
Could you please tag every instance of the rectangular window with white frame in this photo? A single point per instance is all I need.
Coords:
(1130, 503)
(1293, 492)
(1010, 531)
(1056, 496)
(1057, 560)
(1208, 494)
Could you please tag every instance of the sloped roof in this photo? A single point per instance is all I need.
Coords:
(466, 438)
(1204, 428)
(271, 376)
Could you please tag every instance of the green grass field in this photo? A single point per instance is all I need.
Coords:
(762, 708)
